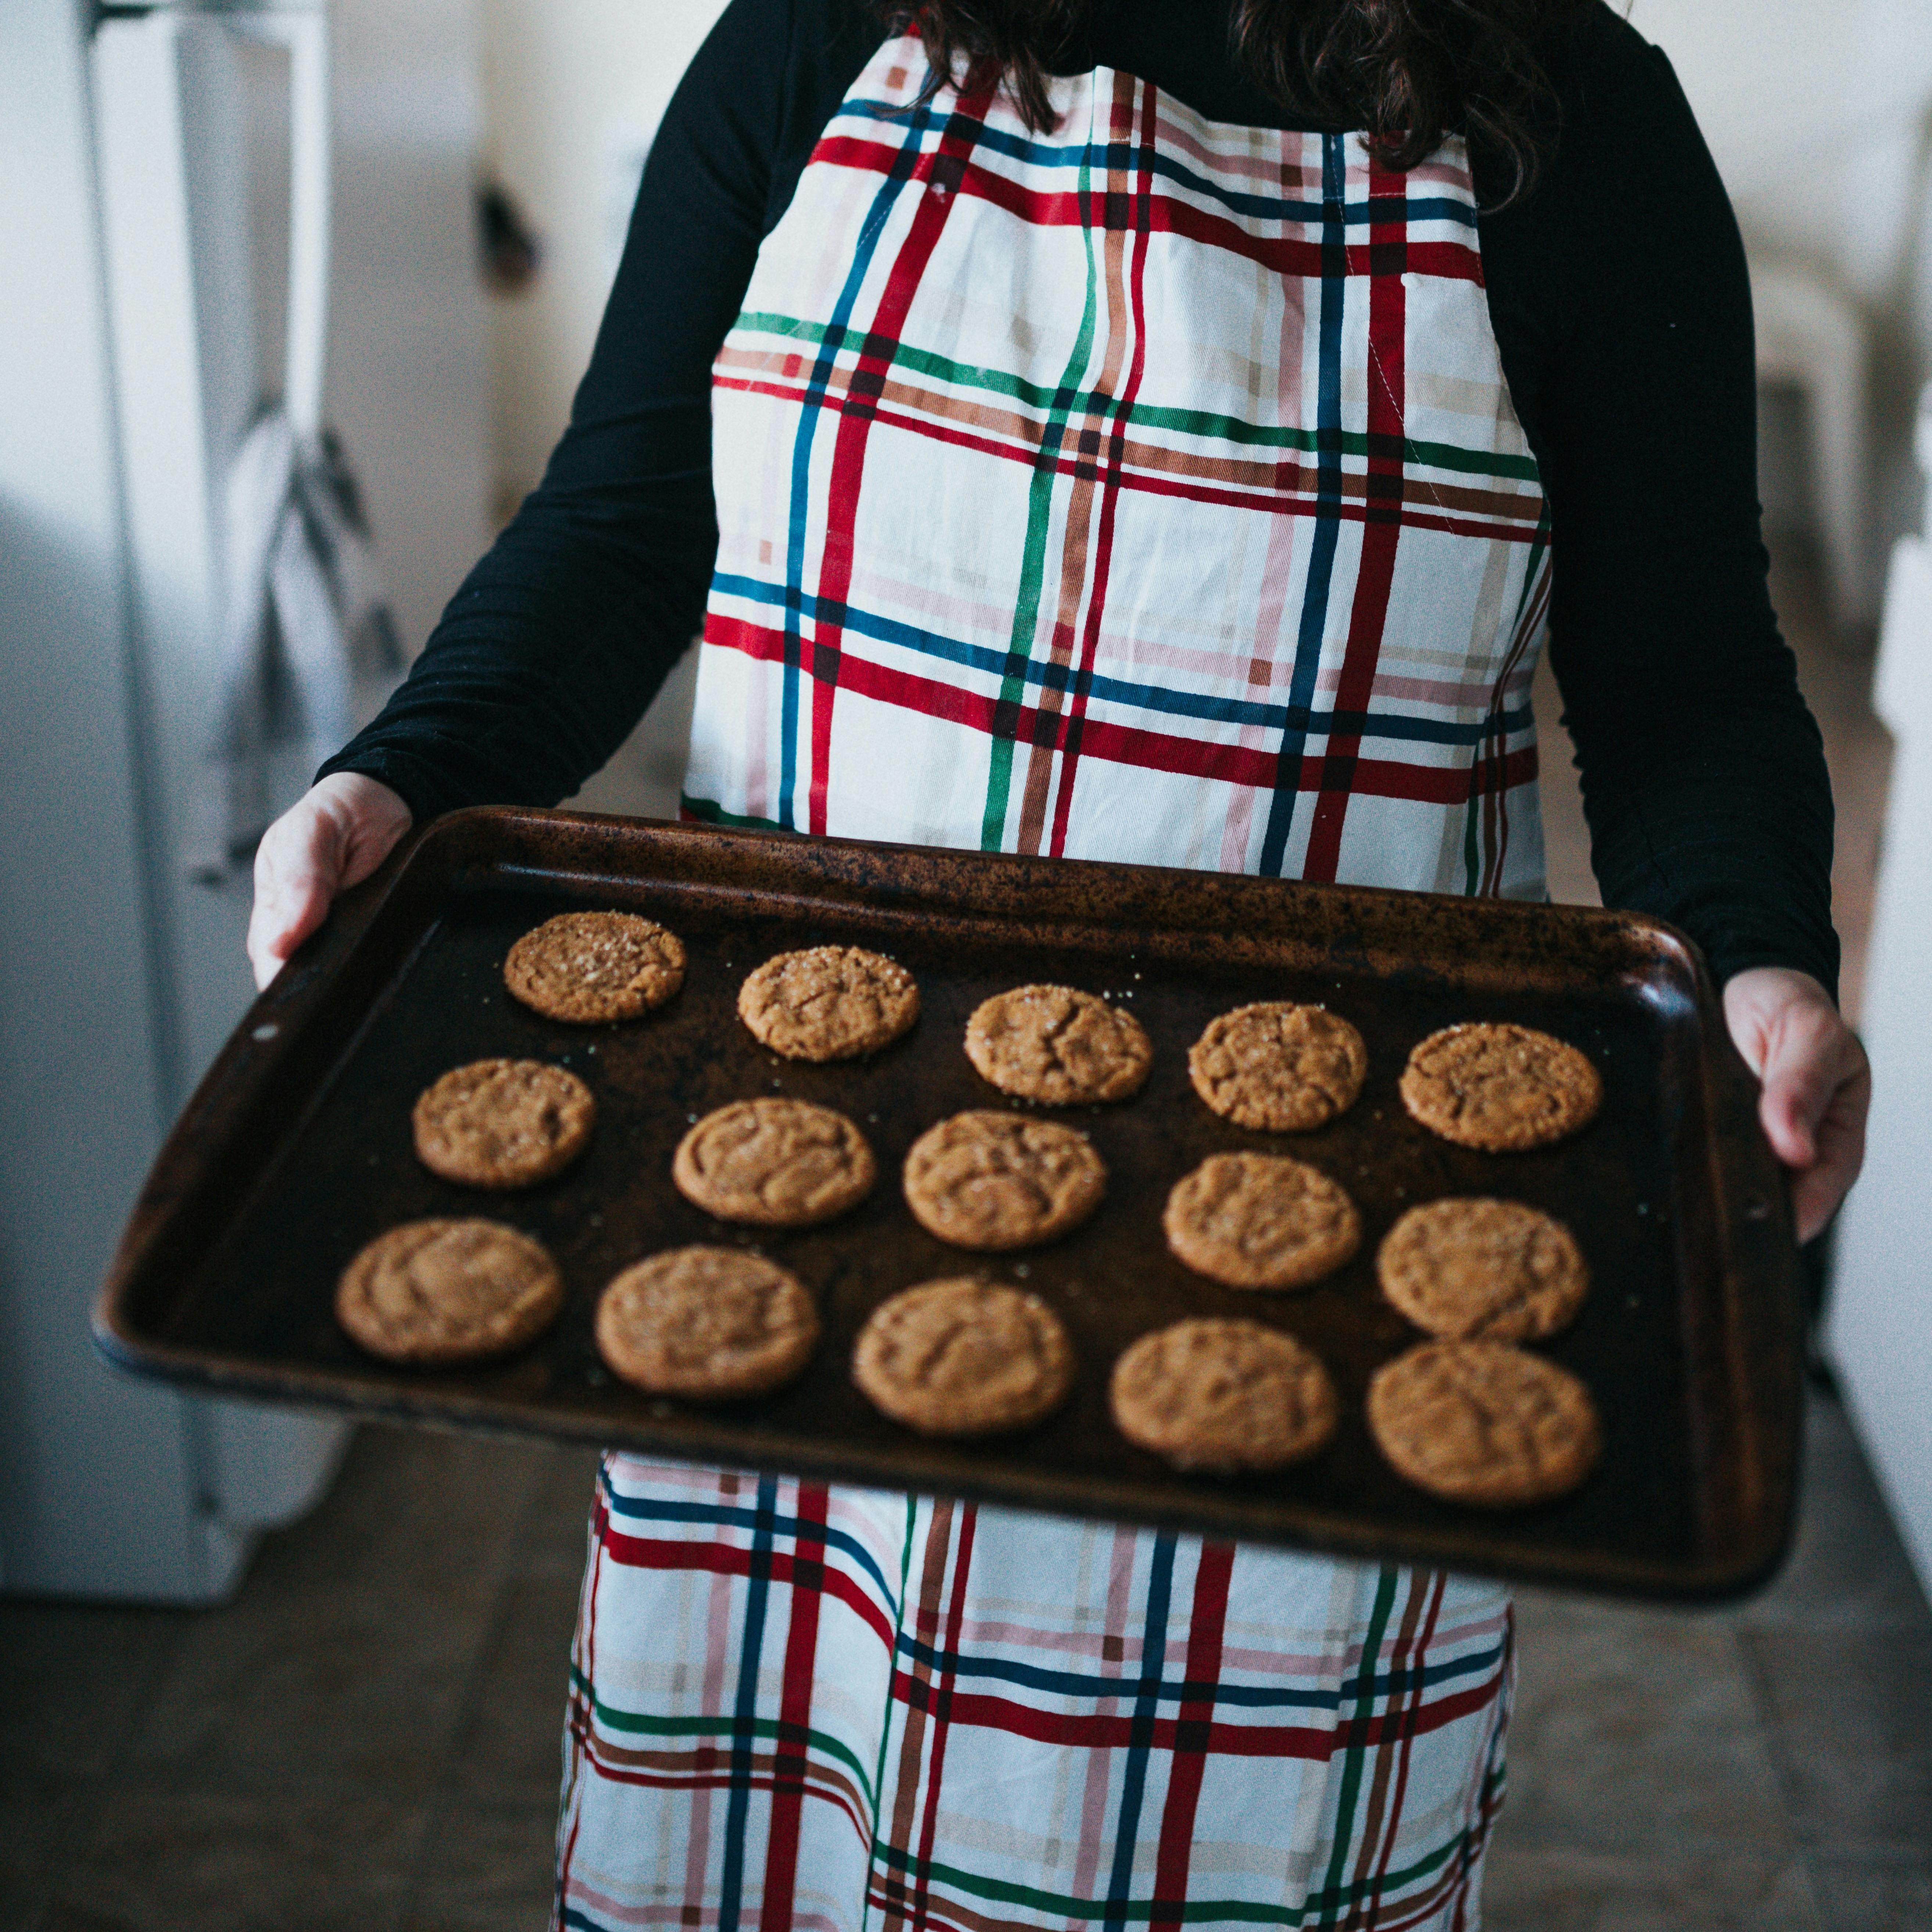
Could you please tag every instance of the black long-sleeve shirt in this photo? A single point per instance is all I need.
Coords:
(1622, 307)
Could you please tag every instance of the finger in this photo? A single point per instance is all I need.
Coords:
(1814, 1199)
(366, 849)
(296, 868)
(272, 928)
(1786, 1110)
(1818, 1190)
(1787, 1125)
(1805, 1066)
(276, 930)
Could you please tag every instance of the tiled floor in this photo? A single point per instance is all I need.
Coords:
(1762, 1768)
(367, 1738)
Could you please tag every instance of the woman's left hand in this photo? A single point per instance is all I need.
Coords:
(1817, 1084)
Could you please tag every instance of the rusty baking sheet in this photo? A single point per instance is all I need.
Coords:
(296, 1150)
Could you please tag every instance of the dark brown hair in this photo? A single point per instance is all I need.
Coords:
(1407, 72)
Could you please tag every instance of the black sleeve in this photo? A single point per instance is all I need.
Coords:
(1622, 306)
(560, 636)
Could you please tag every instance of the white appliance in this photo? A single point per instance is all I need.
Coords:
(129, 325)
(1880, 1336)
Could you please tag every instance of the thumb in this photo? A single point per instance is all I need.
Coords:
(1802, 1071)
(298, 866)
(334, 836)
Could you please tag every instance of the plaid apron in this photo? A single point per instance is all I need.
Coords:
(1148, 491)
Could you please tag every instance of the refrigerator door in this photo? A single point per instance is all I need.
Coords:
(170, 115)
(100, 1492)
(169, 128)
(137, 362)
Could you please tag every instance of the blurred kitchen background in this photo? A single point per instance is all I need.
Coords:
(225, 230)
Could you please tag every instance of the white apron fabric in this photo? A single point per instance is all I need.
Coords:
(1147, 490)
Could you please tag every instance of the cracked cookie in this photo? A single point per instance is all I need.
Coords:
(1480, 1422)
(1500, 1087)
(1257, 1220)
(502, 1123)
(592, 968)
(829, 1002)
(1479, 1271)
(1223, 1396)
(1282, 1068)
(449, 1290)
(1056, 1045)
(706, 1322)
(995, 1181)
(774, 1163)
(964, 1358)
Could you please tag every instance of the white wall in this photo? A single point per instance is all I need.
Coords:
(1880, 1334)
(1819, 114)
(1816, 111)
(408, 343)
(573, 91)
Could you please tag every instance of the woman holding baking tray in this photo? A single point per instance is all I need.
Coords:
(1173, 442)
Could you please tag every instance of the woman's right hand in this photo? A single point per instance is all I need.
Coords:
(333, 838)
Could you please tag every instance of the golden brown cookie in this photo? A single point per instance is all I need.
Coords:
(1223, 1396)
(595, 967)
(774, 1163)
(1059, 1045)
(1476, 1270)
(1258, 1220)
(1480, 1422)
(963, 1358)
(706, 1322)
(1279, 1067)
(448, 1291)
(1500, 1087)
(992, 1181)
(829, 1002)
(502, 1123)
